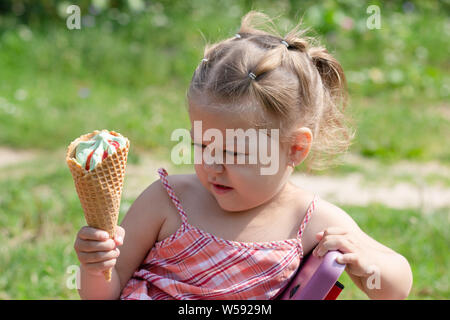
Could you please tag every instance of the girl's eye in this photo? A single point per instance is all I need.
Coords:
(225, 151)
(232, 153)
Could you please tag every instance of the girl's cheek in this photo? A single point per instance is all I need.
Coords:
(201, 174)
(241, 172)
(247, 177)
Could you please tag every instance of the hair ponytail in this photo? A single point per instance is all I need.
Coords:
(331, 73)
(335, 129)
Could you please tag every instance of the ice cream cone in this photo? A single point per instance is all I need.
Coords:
(100, 190)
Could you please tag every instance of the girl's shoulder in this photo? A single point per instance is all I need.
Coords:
(184, 186)
(155, 198)
(325, 215)
(180, 182)
(328, 214)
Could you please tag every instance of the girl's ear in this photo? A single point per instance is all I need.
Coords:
(302, 145)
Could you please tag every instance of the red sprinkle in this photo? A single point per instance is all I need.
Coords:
(114, 143)
(88, 160)
(105, 153)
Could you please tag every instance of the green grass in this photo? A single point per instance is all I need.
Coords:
(392, 129)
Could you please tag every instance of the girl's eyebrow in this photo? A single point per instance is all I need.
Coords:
(192, 138)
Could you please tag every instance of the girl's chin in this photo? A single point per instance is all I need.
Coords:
(227, 204)
(232, 205)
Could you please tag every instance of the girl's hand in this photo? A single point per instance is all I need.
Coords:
(96, 251)
(356, 254)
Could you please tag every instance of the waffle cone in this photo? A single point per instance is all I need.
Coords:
(100, 190)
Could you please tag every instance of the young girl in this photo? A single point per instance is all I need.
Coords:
(228, 231)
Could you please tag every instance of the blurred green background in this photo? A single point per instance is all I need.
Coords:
(127, 69)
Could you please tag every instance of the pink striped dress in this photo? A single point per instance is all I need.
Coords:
(193, 264)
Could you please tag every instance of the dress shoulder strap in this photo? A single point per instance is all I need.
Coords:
(163, 176)
(305, 221)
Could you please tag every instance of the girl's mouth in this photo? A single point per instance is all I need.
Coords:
(220, 189)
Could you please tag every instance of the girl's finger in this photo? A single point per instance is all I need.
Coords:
(120, 231)
(334, 230)
(335, 243)
(328, 232)
(96, 257)
(89, 233)
(327, 238)
(94, 246)
(347, 258)
(120, 234)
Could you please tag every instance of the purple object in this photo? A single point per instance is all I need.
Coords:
(315, 278)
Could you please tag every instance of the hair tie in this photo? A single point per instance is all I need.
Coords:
(237, 35)
(285, 43)
(252, 75)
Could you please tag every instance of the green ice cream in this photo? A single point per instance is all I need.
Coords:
(92, 152)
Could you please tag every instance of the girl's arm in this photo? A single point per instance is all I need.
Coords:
(141, 225)
(95, 287)
(392, 280)
(376, 269)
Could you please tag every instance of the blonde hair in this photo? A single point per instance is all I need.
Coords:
(296, 83)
